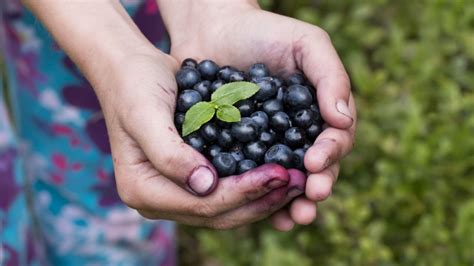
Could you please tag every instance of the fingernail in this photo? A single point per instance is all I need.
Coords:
(342, 108)
(201, 180)
(294, 192)
(275, 183)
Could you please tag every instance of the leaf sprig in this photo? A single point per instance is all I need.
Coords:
(222, 101)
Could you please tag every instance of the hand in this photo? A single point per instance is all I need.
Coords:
(161, 176)
(240, 34)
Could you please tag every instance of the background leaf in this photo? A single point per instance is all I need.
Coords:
(231, 93)
(228, 113)
(196, 116)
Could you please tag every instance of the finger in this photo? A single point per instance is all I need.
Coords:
(303, 211)
(319, 185)
(318, 59)
(264, 206)
(330, 147)
(156, 134)
(161, 195)
(282, 221)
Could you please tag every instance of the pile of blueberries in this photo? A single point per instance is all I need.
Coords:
(279, 123)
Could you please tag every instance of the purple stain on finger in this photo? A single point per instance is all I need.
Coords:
(297, 180)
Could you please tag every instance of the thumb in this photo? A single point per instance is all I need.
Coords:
(157, 136)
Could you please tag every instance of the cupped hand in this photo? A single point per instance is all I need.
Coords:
(239, 33)
(161, 176)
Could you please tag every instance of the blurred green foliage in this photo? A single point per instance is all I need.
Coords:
(406, 194)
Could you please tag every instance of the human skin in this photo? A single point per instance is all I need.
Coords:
(156, 173)
(239, 33)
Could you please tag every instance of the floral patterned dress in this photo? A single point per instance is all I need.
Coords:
(58, 201)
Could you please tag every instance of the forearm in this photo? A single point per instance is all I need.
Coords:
(95, 34)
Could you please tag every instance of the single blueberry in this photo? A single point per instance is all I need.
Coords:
(313, 131)
(246, 107)
(261, 119)
(208, 69)
(196, 141)
(204, 88)
(186, 99)
(245, 130)
(189, 62)
(225, 164)
(209, 132)
(255, 151)
(245, 165)
(267, 89)
(213, 150)
(298, 159)
(295, 137)
(187, 77)
(268, 138)
(279, 154)
(225, 139)
(280, 122)
(225, 72)
(237, 76)
(258, 70)
(303, 118)
(216, 85)
(178, 120)
(296, 79)
(272, 106)
(298, 97)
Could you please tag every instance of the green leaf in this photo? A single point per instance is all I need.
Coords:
(231, 93)
(197, 116)
(228, 113)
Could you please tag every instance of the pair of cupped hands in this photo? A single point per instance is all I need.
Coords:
(164, 178)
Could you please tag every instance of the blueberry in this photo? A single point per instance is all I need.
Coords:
(316, 113)
(216, 85)
(303, 118)
(213, 150)
(298, 97)
(245, 165)
(280, 122)
(196, 141)
(296, 79)
(268, 138)
(261, 119)
(246, 107)
(186, 99)
(208, 69)
(237, 76)
(225, 164)
(267, 89)
(295, 137)
(189, 62)
(187, 77)
(204, 88)
(222, 124)
(272, 106)
(209, 132)
(258, 70)
(298, 159)
(313, 131)
(245, 130)
(279, 154)
(178, 120)
(280, 94)
(225, 139)
(255, 151)
(237, 152)
(225, 72)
